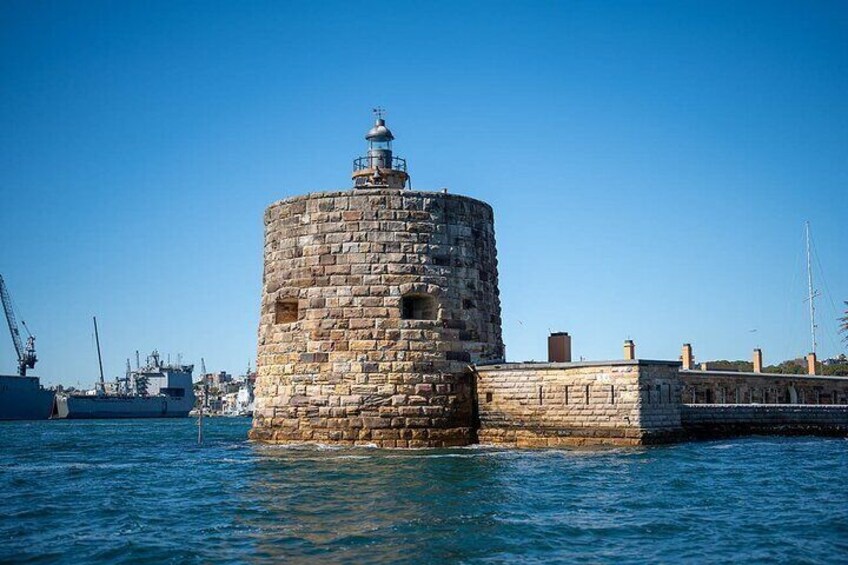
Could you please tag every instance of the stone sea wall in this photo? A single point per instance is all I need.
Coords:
(712, 420)
(606, 403)
(374, 303)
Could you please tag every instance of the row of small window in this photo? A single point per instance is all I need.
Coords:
(412, 307)
(574, 394)
(765, 396)
(580, 394)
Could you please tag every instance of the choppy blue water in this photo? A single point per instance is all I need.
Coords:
(144, 492)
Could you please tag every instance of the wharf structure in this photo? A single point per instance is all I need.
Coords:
(380, 324)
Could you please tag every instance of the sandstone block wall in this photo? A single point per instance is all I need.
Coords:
(725, 387)
(549, 404)
(337, 360)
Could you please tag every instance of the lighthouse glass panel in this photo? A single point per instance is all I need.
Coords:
(380, 144)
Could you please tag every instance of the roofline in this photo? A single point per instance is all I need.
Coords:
(510, 366)
(699, 372)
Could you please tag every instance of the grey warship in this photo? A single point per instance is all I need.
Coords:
(21, 397)
(156, 390)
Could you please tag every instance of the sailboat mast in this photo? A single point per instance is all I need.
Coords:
(811, 294)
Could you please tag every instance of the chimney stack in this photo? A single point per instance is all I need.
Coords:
(687, 358)
(811, 363)
(629, 350)
(559, 347)
(758, 360)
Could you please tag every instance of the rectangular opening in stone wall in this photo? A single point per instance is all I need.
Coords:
(612, 394)
(418, 307)
(285, 311)
(540, 396)
(441, 261)
(488, 397)
(668, 392)
(467, 304)
(587, 394)
(565, 395)
(708, 396)
(659, 394)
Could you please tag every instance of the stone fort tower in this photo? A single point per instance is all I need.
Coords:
(374, 302)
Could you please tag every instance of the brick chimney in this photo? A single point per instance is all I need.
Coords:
(629, 350)
(687, 358)
(811, 363)
(559, 347)
(758, 360)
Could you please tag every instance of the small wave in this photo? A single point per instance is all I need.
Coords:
(724, 446)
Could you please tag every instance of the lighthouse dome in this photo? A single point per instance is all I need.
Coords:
(379, 132)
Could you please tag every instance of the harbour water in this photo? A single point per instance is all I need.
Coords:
(142, 491)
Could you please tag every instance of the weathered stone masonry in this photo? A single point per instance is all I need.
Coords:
(628, 402)
(374, 303)
(638, 402)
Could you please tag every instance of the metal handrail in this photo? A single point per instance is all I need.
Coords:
(369, 162)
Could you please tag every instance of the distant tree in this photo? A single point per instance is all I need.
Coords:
(837, 369)
(734, 366)
(793, 367)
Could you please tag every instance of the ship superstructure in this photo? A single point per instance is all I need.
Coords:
(155, 390)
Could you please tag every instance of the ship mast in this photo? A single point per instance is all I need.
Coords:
(99, 358)
(811, 294)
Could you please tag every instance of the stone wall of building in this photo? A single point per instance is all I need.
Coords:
(725, 387)
(339, 359)
(719, 420)
(549, 404)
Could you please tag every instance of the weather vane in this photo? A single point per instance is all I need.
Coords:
(379, 111)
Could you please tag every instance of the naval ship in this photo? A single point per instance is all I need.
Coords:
(156, 390)
(21, 397)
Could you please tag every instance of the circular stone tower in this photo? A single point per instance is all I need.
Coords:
(375, 301)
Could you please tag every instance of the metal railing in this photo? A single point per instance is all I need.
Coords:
(372, 161)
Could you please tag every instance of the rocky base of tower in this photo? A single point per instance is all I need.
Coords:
(401, 436)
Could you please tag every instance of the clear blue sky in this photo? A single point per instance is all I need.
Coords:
(650, 164)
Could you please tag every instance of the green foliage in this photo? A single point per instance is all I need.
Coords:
(736, 366)
(793, 367)
(839, 370)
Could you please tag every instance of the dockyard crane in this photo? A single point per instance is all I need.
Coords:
(26, 354)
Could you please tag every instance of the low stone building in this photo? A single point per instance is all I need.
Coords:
(627, 402)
